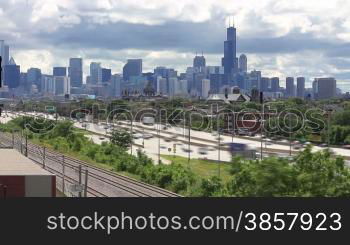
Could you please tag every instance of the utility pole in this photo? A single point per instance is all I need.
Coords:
(21, 141)
(159, 125)
(329, 127)
(262, 124)
(63, 174)
(44, 156)
(80, 179)
(219, 149)
(86, 182)
(13, 140)
(233, 125)
(26, 144)
(131, 129)
(189, 141)
(290, 133)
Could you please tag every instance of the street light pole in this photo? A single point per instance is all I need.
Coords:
(329, 127)
(290, 134)
(262, 123)
(219, 150)
(131, 128)
(189, 141)
(159, 125)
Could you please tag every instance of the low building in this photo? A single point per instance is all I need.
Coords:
(21, 177)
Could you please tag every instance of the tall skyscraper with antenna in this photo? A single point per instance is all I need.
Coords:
(230, 61)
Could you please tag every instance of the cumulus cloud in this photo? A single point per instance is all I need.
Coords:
(281, 38)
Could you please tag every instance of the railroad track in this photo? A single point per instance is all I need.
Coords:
(101, 182)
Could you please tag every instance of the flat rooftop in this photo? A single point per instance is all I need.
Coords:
(13, 163)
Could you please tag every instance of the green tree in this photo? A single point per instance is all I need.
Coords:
(121, 138)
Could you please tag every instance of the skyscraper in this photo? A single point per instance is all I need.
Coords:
(243, 63)
(4, 53)
(95, 73)
(290, 87)
(301, 87)
(59, 71)
(324, 88)
(199, 62)
(75, 72)
(47, 84)
(264, 85)
(116, 86)
(205, 88)
(106, 75)
(133, 67)
(229, 62)
(33, 78)
(275, 84)
(62, 85)
(12, 74)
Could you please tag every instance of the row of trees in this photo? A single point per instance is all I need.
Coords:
(310, 174)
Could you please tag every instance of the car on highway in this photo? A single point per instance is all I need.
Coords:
(102, 138)
(147, 136)
(185, 149)
(346, 147)
(203, 151)
(137, 136)
(297, 147)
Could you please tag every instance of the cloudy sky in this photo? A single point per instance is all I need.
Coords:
(280, 37)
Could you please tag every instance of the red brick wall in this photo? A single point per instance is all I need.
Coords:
(15, 186)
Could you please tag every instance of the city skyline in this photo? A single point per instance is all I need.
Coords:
(273, 43)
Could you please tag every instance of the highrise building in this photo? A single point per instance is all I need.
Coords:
(264, 85)
(33, 78)
(47, 84)
(133, 67)
(205, 88)
(275, 84)
(4, 53)
(290, 87)
(243, 63)
(59, 71)
(95, 73)
(106, 75)
(253, 80)
(12, 74)
(301, 87)
(324, 88)
(181, 88)
(230, 61)
(75, 72)
(116, 81)
(199, 62)
(62, 85)
(172, 85)
(162, 86)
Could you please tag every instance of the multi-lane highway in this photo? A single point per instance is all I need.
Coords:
(202, 144)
